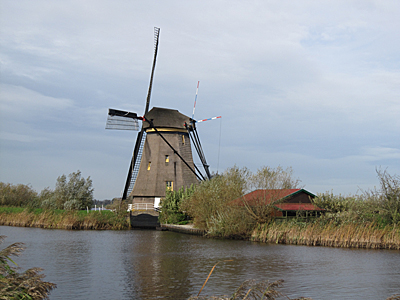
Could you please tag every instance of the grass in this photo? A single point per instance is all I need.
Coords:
(61, 219)
(368, 235)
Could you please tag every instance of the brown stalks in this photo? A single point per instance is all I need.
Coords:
(65, 220)
(347, 235)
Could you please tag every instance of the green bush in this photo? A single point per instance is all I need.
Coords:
(73, 205)
(381, 205)
(76, 189)
(49, 204)
(209, 207)
(17, 195)
(170, 211)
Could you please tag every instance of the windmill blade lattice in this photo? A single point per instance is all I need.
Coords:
(122, 120)
(137, 152)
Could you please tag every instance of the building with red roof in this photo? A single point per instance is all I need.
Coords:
(286, 202)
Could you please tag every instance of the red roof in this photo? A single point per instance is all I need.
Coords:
(268, 196)
(297, 206)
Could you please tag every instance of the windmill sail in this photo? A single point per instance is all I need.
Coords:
(135, 164)
(156, 36)
(122, 120)
(137, 154)
(162, 157)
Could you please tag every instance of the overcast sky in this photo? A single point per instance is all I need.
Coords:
(312, 85)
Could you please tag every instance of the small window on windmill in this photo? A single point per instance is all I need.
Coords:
(166, 159)
(148, 166)
(170, 185)
(183, 139)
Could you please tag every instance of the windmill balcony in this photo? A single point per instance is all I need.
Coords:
(140, 206)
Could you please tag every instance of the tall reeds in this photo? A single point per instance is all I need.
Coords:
(368, 235)
(16, 285)
(64, 219)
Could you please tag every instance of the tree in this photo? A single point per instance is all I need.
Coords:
(15, 285)
(17, 195)
(209, 204)
(74, 193)
(272, 180)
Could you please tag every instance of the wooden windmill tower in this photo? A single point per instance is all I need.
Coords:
(162, 156)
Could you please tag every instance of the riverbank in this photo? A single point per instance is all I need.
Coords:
(188, 229)
(369, 236)
(61, 219)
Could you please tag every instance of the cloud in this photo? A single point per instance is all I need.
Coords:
(313, 85)
(381, 153)
(20, 137)
(18, 100)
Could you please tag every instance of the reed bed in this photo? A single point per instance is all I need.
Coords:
(60, 219)
(368, 235)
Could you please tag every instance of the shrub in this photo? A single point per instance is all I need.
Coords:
(49, 204)
(75, 188)
(389, 196)
(17, 195)
(73, 205)
(209, 208)
(171, 212)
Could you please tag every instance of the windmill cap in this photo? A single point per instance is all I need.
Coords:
(166, 118)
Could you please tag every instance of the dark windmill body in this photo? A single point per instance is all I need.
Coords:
(160, 166)
(162, 158)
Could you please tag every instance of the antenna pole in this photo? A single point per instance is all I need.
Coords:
(195, 98)
(219, 117)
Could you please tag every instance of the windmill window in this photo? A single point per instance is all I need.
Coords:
(170, 185)
(148, 166)
(183, 139)
(166, 158)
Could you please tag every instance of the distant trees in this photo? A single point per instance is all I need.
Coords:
(71, 193)
(17, 195)
(74, 193)
(118, 205)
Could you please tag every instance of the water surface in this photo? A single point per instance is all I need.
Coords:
(146, 264)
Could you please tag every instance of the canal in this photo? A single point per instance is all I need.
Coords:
(147, 264)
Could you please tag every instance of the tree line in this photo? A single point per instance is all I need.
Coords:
(72, 192)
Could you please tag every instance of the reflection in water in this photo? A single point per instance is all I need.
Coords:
(155, 264)
(140, 264)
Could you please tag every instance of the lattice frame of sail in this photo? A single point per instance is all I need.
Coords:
(122, 120)
(136, 167)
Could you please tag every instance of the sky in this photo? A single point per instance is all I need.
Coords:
(311, 85)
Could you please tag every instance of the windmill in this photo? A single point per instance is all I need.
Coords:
(162, 156)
